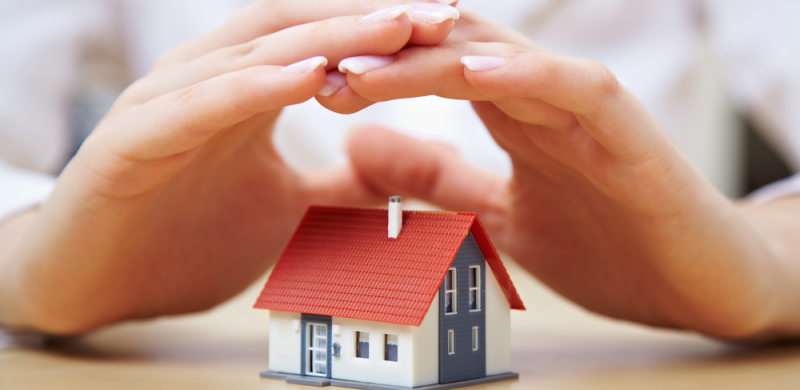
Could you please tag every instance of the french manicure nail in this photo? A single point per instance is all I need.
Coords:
(387, 14)
(306, 66)
(334, 81)
(433, 13)
(364, 64)
(482, 63)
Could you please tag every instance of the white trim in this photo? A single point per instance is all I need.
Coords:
(451, 342)
(454, 291)
(477, 287)
(357, 342)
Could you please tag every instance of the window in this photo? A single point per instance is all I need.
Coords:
(475, 288)
(450, 292)
(451, 342)
(390, 347)
(474, 338)
(362, 345)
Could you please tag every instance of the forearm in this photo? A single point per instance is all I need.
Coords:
(779, 223)
(12, 231)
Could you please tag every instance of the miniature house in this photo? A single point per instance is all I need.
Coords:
(353, 307)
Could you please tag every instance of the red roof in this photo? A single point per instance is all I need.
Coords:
(340, 262)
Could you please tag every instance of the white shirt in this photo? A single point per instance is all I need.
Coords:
(693, 63)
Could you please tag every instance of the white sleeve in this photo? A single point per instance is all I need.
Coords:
(778, 189)
(758, 44)
(20, 189)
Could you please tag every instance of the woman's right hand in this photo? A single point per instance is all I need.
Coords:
(178, 200)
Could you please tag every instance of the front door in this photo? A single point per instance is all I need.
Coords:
(317, 349)
(316, 344)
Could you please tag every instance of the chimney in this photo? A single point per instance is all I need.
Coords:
(395, 216)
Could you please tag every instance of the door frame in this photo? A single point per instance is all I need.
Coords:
(306, 320)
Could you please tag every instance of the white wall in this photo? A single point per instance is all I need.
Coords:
(418, 349)
(498, 327)
(426, 347)
(284, 342)
(375, 369)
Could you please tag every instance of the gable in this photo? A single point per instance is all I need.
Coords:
(340, 262)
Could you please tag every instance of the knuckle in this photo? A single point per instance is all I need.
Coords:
(606, 82)
(242, 50)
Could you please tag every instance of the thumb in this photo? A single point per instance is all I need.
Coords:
(396, 164)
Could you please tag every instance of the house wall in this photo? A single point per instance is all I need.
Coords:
(498, 327)
(284, 342)
(375, 369)
(465, 363)
(426, 347)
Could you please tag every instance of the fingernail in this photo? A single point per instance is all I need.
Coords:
(364, 64)
(433, 13)
(482, 63)
(387, 14)
(334, 81)
(306, 66)
(448, 2)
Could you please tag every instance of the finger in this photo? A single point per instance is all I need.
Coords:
(383, 32)
(605, 109)
(396, 164)
(333, 38)
(438, 71)
(337, 96)
(182, 120)
(265, 17)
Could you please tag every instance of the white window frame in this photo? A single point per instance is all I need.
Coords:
(454, 291)
(386, 345)
(451, 342)
(369, 344)
(475, 341)
(477, 287)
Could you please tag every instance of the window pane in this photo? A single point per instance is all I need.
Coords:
(448, 280)
(473, 299)
(448, 302)
(319, 368)
(474, 338)
(473, 277)
(322, 330)
(391, 347)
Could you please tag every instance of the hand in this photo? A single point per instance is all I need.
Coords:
(602, 205)
(178, 200)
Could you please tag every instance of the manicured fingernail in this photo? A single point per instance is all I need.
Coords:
(364, 64)
(433, 13)
(482, 63)
(387, 14)
(306, 66)
(448, 2)
(334, 81)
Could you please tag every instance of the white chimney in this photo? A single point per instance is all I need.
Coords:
(395, 215)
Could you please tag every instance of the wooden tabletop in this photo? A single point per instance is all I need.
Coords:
(555, 345)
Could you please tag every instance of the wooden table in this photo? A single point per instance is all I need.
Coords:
(556, 345)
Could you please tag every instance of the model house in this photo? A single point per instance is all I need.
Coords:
(424, 303)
